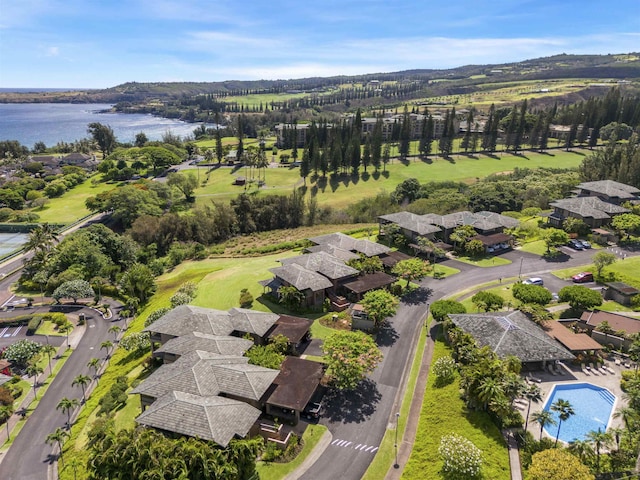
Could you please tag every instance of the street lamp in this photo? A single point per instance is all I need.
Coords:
(520, 271)
(395, 465)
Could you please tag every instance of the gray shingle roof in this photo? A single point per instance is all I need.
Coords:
(252, 321)
(222, 345)
(511, 333)
(186, 319)
(207, 374)
(211, 418)
(611, 189)
(588, 207)
(337, 252)
(346, 242)
(301, 278)
(411, 222)
(324, 263)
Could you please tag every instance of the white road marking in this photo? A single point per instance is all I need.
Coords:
(17, 331)
(360, 446)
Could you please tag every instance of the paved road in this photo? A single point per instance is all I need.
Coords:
(29, 456)
(358, 420)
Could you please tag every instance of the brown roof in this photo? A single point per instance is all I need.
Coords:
(370, 281)
(572, 341)
(390, 259)
(493, 239)
(294, 328)
(616, 321)
(296, 383)
(623, 288)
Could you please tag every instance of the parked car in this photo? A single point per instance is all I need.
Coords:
(583, 277)
(585, 244)
(312, 410)
(576, 244)
(533, 281)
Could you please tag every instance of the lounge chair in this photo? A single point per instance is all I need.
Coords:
(534, 379)
(585, 370)
(603, 370)
(617, 361)
(594, 369)
(627, 364)
(550, 370)
(609, 369)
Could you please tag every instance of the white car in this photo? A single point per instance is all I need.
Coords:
(534, 281)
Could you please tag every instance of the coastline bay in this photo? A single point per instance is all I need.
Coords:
(51, 123)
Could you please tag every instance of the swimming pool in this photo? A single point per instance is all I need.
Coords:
(592, 405)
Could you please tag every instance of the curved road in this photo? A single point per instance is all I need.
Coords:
(358, 420)
(29, 456)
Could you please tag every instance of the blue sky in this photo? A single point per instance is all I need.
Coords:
(103, 43)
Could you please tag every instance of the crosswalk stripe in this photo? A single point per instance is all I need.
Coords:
(374, 450)
(17, 331)
(360, 446)
(4, 331)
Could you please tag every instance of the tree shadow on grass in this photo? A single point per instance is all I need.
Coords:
(352, 406)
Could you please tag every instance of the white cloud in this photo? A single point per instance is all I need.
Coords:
(52, 51)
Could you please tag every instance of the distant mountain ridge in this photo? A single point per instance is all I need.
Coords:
(614, 66)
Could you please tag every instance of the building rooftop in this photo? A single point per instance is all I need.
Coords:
(212, 418)
(294, 328)
(615, 320)
(588, 207)
(252, 321)
(186, 319)
(611, 189)
(296, 383)
(221, 345)
(331, 267)
(574, 342)
(511, 333)
(411, 222)
(369, 281)
(301, 278)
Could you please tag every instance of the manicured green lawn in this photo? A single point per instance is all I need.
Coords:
(484, 262)
(611, 306)
(49, 328)
(444, 412)
(277, 471)
(627, 270)
(70, 206)
(341, 191)
(503, 290)
(443, 270)
(537, 247)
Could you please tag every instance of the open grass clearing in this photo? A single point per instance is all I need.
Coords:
(537, 247)
(611, 306)
(49, 328)
(627, 270)
(71, 205)
(485, 262)
(443, 271)
(340, 191)
(443, 412)
(278, 471)
(503, 291)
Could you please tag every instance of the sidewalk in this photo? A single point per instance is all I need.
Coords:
(74, 339)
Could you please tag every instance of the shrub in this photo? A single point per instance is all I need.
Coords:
(180, 298)
(21, 352)
(462, 459)
(33, 325)
(441, 308)
(445, 370)
(246, 299)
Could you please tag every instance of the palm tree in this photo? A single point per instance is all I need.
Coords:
(628, 415)
(488, 390)
(95, 364)
(67, 405)
(41, 239)
(66, 328)
(115, 329)
(581, 449)
(58, 436)
(5, 414)
(564, 410)
(532, 394)
(34, 370)
(49, 350)
(83, 381)
(543, 418)
(600, 439)
(106, 345)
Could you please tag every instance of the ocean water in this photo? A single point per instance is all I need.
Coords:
(51, 123)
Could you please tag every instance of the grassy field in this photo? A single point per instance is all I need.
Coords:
(627, 270)
(444, 412)
(70, 206)
(340, 191)
(503, 290)
(484, 262)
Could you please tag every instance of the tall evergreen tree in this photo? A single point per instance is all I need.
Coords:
(305, 167)
(376, 144)
(521, 127)
(366, 154)
(405, 134)
(466, 139)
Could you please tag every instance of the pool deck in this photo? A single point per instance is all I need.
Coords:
(573, 374)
